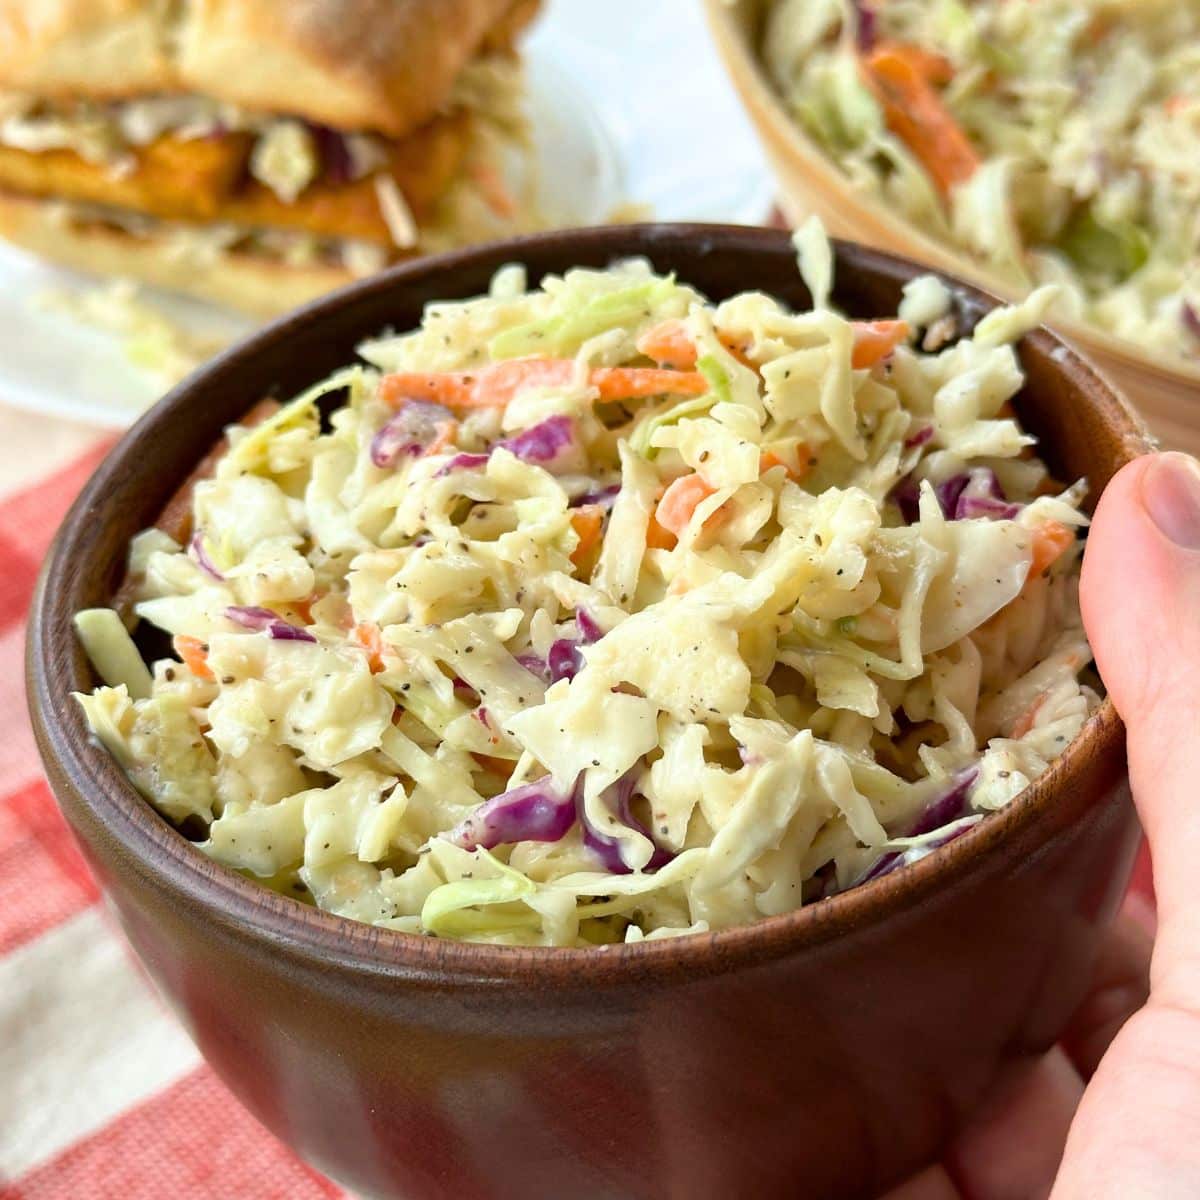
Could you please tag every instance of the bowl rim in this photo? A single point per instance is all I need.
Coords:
(321, 939)
(766, 109)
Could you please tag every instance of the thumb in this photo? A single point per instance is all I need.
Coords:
(1137, 1131)
(1140, 596)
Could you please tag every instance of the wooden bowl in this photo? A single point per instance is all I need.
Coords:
(1165, 390)
(831, 1049)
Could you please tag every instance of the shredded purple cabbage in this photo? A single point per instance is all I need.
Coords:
(945, 810)
(974, 507)
(948, 493)
(337, 162)
(198, 552)
(895, 859)
(533, 812)
(464, 462)
(906, 496)
(981, 496)
(604, 497)
(265, 621)
(919, 438)
(282, 631)
(408, 432)
(868, 26)
(564, 660)
(619, 799)
(538, 812)
(542, 442)
(588, 629)
(1191, 319)
(963, 497)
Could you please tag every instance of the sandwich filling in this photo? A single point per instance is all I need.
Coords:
(199, 171)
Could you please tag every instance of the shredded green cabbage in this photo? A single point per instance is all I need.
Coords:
(111, 649)
(582, 667)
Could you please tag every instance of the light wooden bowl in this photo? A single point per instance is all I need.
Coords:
(1166, 392)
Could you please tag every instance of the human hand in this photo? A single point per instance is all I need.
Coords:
(1114, 1111)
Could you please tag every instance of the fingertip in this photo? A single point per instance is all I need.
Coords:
(1140, 595)
(1141, 578)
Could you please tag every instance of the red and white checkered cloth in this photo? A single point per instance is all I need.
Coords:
(102, 1095)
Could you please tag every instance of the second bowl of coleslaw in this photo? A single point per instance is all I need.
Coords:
(634, 672)
(1012, 145)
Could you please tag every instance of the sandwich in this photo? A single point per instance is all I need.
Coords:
(257, 153)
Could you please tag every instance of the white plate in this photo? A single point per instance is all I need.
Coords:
(650, 69)
(628, 103)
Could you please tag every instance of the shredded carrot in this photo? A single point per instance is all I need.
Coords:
(679, 503)
(670, 344)
(658, 538)
(303, 608)
(916, 115)
(494, 190)
(587, 523)
(445, 436)
(875, 340)
(1024, 723)
(931, 66)
(796, 471)
(492, 387)
(637, 383)
(194, 654)
(367, 635)
(498, 383)
(1051, 540)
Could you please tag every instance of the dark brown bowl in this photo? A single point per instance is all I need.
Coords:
(821, 1053)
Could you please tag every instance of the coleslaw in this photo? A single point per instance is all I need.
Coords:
(1056, 142)
(599, 612)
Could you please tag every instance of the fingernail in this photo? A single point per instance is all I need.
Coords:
(1171, 495)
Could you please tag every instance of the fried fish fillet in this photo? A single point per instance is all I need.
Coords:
(206, 180)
